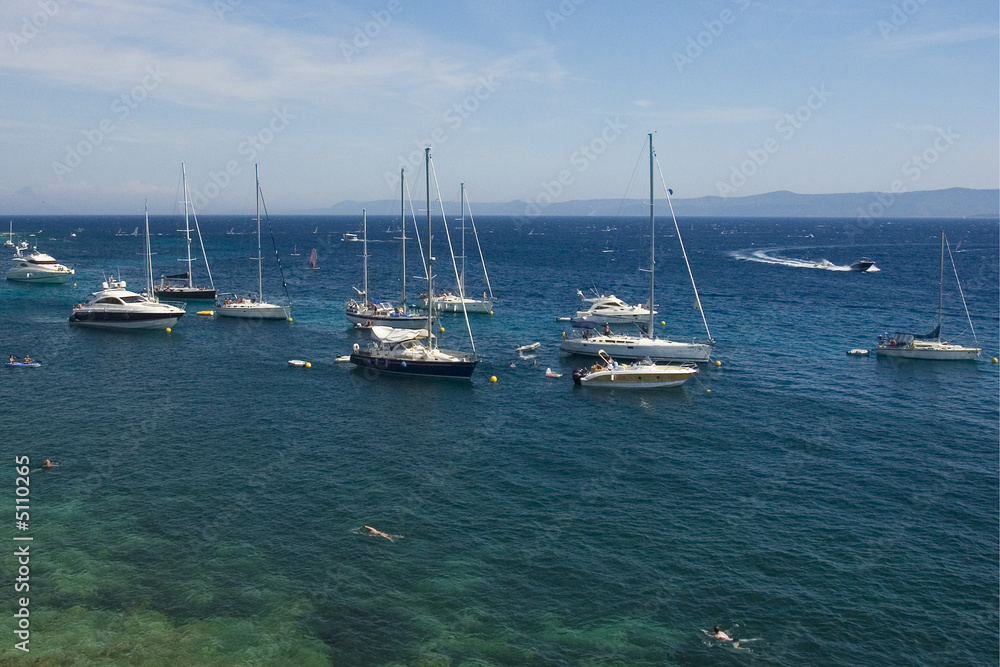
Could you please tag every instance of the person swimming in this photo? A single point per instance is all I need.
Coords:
(718, 634)
(377, 533)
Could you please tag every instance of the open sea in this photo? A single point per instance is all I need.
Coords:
(209, 505)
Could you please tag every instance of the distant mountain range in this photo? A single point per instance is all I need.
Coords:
(950, 203)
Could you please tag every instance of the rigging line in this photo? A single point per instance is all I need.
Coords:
(962, 294)
(197, 228)
(454, 265)
(479, 247)
(274, 245)
(677, 228)
(416, 230)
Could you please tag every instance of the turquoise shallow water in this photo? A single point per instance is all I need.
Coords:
(209, 505)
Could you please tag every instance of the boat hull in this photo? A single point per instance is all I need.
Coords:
(186, 293)
(454, 305)
(937, 353)
(254, 311)
(394, 321)
(112, 319)
(626, 347)
(460, 369)
(645, 378)
(38, 277)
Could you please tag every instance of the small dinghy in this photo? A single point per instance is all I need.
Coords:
(21, 364)
(858, 352)
(343, 359)
(549, 373)
(298, 363)
(529, 348)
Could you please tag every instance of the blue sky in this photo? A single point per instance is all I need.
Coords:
(103, 99)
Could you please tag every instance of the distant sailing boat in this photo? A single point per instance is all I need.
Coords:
(415, 351)
(930, 346)
(181, 285)
(447, 302)
(255, 307)
(645, 344)
(312, 260)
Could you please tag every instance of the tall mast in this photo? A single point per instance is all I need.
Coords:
(402, 225)
(652, 247)
(941, 287)
(187, 225)
(364, 228)
(461, 286)
(430, 255)
(149, 259)
(260, 268)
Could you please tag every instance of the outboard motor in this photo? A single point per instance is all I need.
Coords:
(580, 373)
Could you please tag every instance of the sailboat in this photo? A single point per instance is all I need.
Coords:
(9, 243)
(930, 346)
(645, 344)
(368, 312)
(447, 302)
(415, 351)
(116, 307)
(254, 306)
(181, 285)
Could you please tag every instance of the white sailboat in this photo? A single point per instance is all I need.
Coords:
(9, 243)
(415, 351)
(930, 346)
(368, 312)
(182, 285)
(448, 302)
(254, 306)
(646, 344)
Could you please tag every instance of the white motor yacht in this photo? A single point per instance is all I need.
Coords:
(37, 267)
(116, 307)
(609, 309)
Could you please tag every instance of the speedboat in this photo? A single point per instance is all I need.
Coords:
(862, 264)
(609, 309)
(643, 374)
(116, 307)
(37, 267)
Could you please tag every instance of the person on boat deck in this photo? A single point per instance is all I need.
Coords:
(607, 329)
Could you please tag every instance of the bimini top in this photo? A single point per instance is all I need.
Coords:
(395, 336)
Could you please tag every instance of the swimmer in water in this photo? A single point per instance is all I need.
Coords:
(377, 533)
(718, 634)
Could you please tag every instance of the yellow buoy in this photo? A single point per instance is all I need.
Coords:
(564, 334)
(663, 322)
(441, 329)
(206, 312)
(289, 319)
(169, 329)
(708, 391)
(74, 284)
(491, 312)
(309, 364)
(493, 378)
(718, 363)
(995, 360)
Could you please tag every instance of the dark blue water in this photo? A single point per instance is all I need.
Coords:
(208, 510)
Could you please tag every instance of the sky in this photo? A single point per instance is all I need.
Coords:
(539, 101)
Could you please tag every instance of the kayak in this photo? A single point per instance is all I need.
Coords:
(21, 364)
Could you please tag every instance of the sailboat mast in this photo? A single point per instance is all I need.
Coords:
(260, 268)
(364, 228)
(941, 287)
(430, 255)
(149, 259)
(652, 238)
(187, 225)
(461, 287)
(402, 225)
